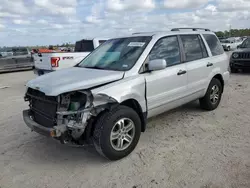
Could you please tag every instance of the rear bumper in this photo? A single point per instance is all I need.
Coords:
(40, 72)
(35, 126)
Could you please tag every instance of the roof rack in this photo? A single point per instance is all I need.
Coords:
(194, 29)
(146, 32)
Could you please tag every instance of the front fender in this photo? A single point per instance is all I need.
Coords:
(122, 90)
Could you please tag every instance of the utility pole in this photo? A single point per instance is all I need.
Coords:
(230, 27)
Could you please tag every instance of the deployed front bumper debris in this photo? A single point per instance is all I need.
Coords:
(71, 124)
(35, 126)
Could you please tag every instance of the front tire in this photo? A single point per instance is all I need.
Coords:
(212, 98)
(117, 132)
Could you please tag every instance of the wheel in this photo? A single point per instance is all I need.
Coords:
(117, 132)
(212, 97)
(228, 48)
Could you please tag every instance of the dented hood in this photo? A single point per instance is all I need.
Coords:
(71, 79)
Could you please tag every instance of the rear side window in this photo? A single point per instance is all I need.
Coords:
(214, 44)
(192, 47)
(84, 46)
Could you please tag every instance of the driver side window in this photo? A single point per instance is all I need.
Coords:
(166, 48)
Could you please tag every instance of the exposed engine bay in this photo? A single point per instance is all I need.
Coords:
(69, 115)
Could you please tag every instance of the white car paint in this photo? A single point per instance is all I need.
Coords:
(154, 85)
(165, 89)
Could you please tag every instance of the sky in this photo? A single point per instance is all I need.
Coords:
(44, 22)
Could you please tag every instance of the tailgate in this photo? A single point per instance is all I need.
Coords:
(62, 60)
(42, 61)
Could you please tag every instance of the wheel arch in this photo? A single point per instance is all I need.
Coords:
(220, 78)
(134, 104)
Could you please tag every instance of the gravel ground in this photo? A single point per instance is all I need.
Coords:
(185, 148)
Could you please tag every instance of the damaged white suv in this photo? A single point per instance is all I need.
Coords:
(107, 98)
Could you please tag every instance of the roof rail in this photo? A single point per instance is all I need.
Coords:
(194, 29)
(146, 32)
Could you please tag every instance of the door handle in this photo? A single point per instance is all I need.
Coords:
(210, 64)
(181, 72)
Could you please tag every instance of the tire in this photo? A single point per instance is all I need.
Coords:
(205, 102)
(107, 123)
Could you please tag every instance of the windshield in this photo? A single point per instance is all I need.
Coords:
(246, 44)
(116, 54)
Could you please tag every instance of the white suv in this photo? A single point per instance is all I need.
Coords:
(109, 95)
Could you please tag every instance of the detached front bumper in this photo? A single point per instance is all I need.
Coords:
(35, 126)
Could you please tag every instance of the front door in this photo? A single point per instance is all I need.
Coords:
(166, 88)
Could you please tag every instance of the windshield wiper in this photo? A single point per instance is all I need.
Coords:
(94, 67)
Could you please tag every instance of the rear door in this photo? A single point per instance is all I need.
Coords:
(42, 61)
(7, 61)
(197, 62)
(23, 58)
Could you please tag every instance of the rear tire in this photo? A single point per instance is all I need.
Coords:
(117, 132)
(212, 98)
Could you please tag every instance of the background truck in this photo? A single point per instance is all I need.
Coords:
(52, 61)
(18, 58)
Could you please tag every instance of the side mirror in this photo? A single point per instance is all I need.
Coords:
(238, 46)
(157, 64)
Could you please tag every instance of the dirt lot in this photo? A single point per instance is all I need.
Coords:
(185, 148)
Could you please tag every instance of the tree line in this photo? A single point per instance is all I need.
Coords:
(234, 33)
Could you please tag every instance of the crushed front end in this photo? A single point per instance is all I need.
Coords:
(65, 117)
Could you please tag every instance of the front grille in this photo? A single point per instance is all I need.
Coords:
(242, 63)
(43, 108)
(244, 55)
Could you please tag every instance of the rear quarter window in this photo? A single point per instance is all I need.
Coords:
(214, 44)
(84, 46)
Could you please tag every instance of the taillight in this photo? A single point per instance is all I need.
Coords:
(55, 61)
